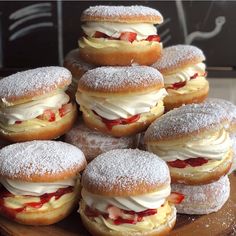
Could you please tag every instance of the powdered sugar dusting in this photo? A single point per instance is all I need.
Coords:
(39, 158)
(228, 106)
(43, 78)
(125, 169)
(185, 120)
(203, 199)
(113, 78)
(118, 11)
(173, 56)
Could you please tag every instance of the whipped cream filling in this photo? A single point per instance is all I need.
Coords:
(212, 147)
(134, 203)
(113, 108)
(184, 74)
(112, 29)
(34, 108)
(36, 189)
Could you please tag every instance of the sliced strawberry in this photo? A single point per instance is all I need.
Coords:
(91, 212)
(128, 36)
(175, 198)
(177, 164)
(66, 108)
(147, 212)
(114, 212)
(48, 115)
(18, 122)
(120, 221)
(156, 38)
(194, 76)
(99, 34)
(196, 161)
(178, 85)
(131, 119)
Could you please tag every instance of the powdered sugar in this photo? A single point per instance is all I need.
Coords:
(187, 119)
(203, 199)
(113, 78)
(28, 81)
(39, 158)
(174, 56)
(125, 169)
(118, 11)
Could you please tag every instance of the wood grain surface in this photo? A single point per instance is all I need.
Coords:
(221, 223)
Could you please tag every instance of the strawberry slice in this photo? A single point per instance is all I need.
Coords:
(48, 115)
(178, 85)
(155, 38)
(120, 221)
(128, 36)
(99, 34)
(18, 122)
(114, 212)
(131, 119)
(194, 76)
(91, 212)
(196, 161)
(175, 198)
(147, 212)
(177, 164)
(66, 108)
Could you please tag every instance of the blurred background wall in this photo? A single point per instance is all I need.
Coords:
(39, 33)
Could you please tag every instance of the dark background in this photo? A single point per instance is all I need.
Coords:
(40, 33)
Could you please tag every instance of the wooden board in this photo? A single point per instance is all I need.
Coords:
(221, 223)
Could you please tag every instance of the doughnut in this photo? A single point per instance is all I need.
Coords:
(184, 75)
(194, 142)
(120, 35)
(93, 143)
(120, 101)
(77, 67)
(34, 105)
(203, 199)
(40, 181)
(127, 192)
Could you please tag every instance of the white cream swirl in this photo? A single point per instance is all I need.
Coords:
(36, 189)
(132, 203)
(213, 147)
(112, 29)
(114, 107)
(34, 108)
(184, 74)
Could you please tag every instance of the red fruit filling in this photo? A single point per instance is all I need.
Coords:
(121, 121)
(175, 198)
(127, 36)
(4, 193)
(120, 216)
(191, 162)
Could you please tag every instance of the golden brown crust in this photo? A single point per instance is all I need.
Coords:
(122, 14)
(172, 101)
(46, 217)
(117, 57)
(52, 131)
(94, 122)
(99, 230)
(183, 177)
(75, 64)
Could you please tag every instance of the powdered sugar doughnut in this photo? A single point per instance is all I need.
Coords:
(120, 35)
(193, 140)
(203, 199)
(121, 182)
(93, 143)
(184, 75)
(121, 101)
(34, 105)
(32, 174)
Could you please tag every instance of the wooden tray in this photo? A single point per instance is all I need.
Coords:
(222, 223)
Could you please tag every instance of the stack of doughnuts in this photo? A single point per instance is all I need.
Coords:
(194, 141)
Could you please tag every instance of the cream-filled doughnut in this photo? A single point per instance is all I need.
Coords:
(40, 181)
(127, 192)
(121, 101)
(120, 35)
(77, 67)
(194, 141)
(34, 105)
(184, 75)
(203, 199)
(93, 143)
